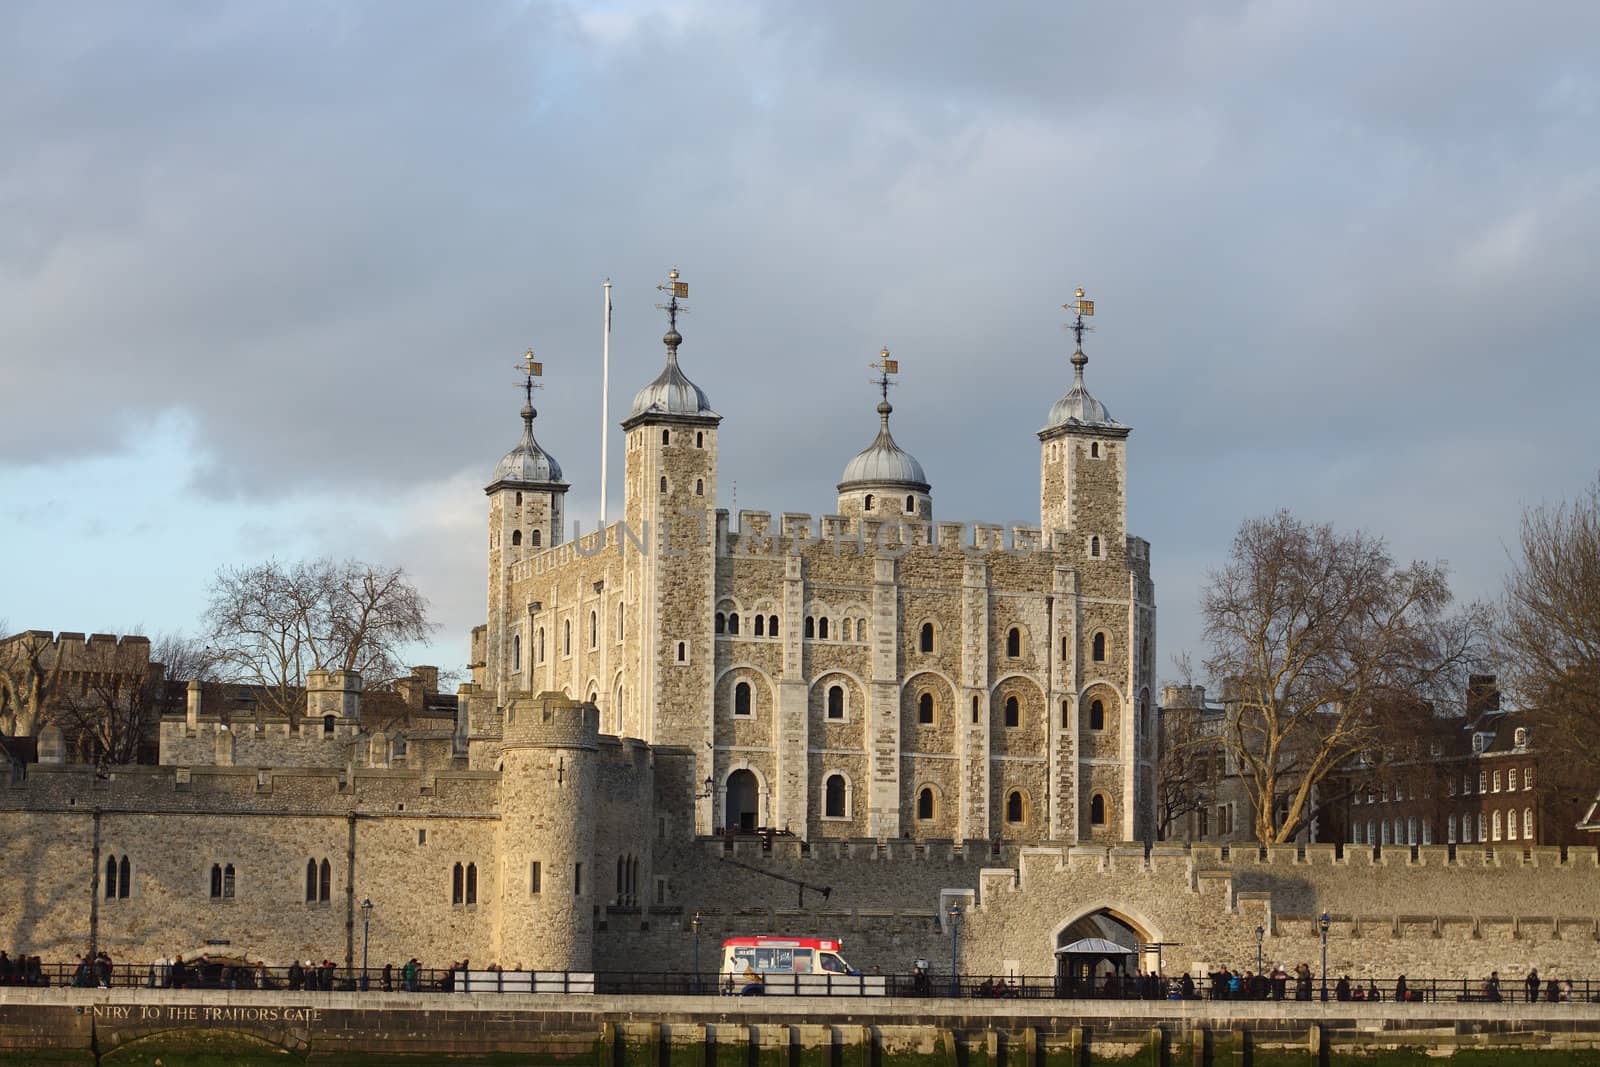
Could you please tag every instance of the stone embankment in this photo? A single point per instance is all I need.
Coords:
(611, 1031)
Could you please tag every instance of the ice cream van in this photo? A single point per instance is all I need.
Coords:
(792, 966)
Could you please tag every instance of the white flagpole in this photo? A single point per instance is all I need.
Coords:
(605, 401)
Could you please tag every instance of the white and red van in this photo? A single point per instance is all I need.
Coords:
(792, 966)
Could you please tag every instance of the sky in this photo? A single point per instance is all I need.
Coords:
(266, 269)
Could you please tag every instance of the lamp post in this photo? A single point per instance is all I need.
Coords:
(694, 924)
(366, 929)
(1322, 925)
(1260, 933)
(955, 940)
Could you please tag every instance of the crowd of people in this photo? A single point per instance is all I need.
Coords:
(23, 970)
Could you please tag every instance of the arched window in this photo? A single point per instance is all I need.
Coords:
(1015, 812)
(1013, 642)
(1450, 830)
(925, 639)
(733, 623)
(594, 629)
(536, 538)
(699, 487)
(1066, 650)
(844, 629)
(699, 440)
(1411, 830)
(925, 709)
(227, 881)
(458, 891)
(1013, 713)
(663, 485)
(822, 628)
(472, 883)
(516, 538)
(666, 437)
(836, 702)
(327, 725)
(325, 882)
(811, 627)
(566, 637)
(1099, 653)
(772, 626)
(519, 499)
(1097, 715)
(311, 881)
(741, 699)
(911, 504)
(621, 609)
(1511, 825)
(722, 623)
(111, 878)
(834, 802)
(1094, 547)
(1094, 450)
(683, 652)
(1483, 827)
(621, 878)
(1372, 832)
(1097, 810)
(1498, 826)
(541, 644)
(925, 804)
(761, 626)
(1064, 715)
(516, 652)
(867, 504)
(1527, 834)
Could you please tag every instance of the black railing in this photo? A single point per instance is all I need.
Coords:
(213, 975)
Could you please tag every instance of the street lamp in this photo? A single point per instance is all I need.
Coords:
(366, 929)
(695, 924)
(1260, 933)
(955, 940)
(1322, 925)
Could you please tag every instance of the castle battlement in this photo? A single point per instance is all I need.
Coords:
(72, 651)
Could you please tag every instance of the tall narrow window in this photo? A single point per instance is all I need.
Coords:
(822, 628)
(621, 608)
(911, 504)
(516, 652)
(925, 804)
(472, 883)
(111, 878)
(1013, 712)
(699, 440)
(1527, 834)
(535, 538)
(227, 881)
(974, 710)
(925, 709)
(836, 702)
(1064, 715)
(516, 538)
(621, 878)
(1097, 715)
(458, 884)
(535, 881)
(1066, 651)
(683, 652)
(666, 437)
(1498, 826)
(1450, 830)
(663, 484)
(733, 623)
(811, 628)
(772, 626)
(722, 623)
(541, 644)
(699, 487)
(844, 630)
(566, 638)
(834, 802)
(519, 500)
(925, 640)
(1094, 547)
(868, 504)
(311, 881)
(1015, 812)
(125, 872)
(325, 882)
(1097, 810)
(216, 881)
(1094, 450)
(327, 725)
(741, 699)
(577, 879)
(594, 629)
(1099, 653)
(761, 626)
(1013, 642)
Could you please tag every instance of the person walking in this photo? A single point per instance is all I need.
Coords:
(1533, 984)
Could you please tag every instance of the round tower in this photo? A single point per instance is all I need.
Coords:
(548, 799)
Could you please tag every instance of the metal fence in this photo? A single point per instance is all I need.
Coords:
(211, 974)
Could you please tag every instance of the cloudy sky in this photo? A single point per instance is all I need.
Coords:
(265, 268)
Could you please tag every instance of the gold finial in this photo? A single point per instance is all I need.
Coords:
(530, 367)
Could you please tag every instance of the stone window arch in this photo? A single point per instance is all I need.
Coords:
(1498, 825)
(722, 623)
(1094, 450)
(772, 626)
(1013, 712)
(733, 623)
(1097, 809)
(911, 504)
(822, 628)
(594, 629)
(327, 725)
(458, 884)
(663, 483)
(621, 614)
(761, 626)
(1066, 717)
(1097, 714)
(974, 709)
(111, 878)
(925, 637)
(519, 498)
(566, 637)
(699, 439)
(1094, 547)
(1014, 642)
(743, 704)
(472, 883)
(845, 626)
(836, 702)
(666, 437)
(1016, 807)
(516, 538)
(811, 628)
(683, 652)
(925, 708)
(927, 804)
(699, 487)
(516, 652)
(867, 504)
(836, 797)
(1098, 653)
(540, 644)
(536, 538)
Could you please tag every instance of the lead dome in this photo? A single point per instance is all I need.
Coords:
(528, 462)
(884, 462)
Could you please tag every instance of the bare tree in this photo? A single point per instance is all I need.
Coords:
(115, 718)
(1187, 770)
(1549, 634)
(1322, 639)
(271, 623)
(30, 674)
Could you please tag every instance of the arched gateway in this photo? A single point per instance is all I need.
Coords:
(1102, 941)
